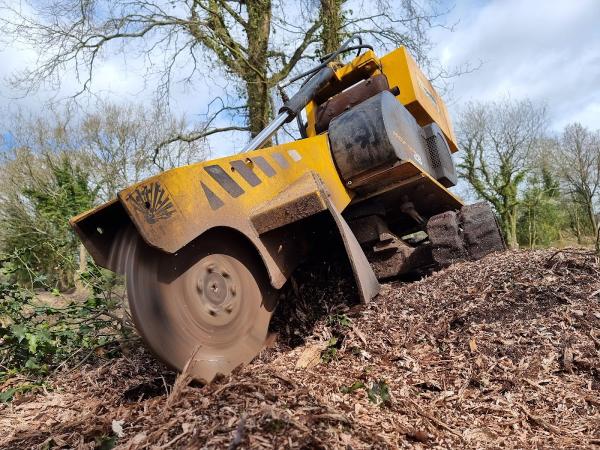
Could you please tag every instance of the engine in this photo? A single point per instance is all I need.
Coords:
(380, 133)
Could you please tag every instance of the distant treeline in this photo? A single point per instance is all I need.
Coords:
(543, 185)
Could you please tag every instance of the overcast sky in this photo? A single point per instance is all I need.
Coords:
(548, 50)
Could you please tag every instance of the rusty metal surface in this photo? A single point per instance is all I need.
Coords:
(399, 184)
(300, 200)
(387, 253)
(399, 258)
(98, 228)
(368, 286)
(358, 93)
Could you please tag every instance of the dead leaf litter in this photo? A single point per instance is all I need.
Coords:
(503, 352)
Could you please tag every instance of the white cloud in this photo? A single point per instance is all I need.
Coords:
(546, 50)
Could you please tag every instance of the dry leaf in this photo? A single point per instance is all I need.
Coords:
(472, 345)
(310, 356)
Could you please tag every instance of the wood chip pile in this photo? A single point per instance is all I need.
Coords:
(503, 352)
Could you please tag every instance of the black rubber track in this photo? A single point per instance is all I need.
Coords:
(481, 233)
(469, 234)
(445, 235)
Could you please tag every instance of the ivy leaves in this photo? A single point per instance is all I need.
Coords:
(35, 338)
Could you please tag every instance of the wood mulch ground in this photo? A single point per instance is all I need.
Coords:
(503, 352)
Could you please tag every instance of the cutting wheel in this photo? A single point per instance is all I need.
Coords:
(209, 304)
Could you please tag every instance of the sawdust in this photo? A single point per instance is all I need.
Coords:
(499, 353)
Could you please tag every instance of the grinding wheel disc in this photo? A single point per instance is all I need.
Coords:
(209, 304)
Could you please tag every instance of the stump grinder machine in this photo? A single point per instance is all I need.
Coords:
(206, 247)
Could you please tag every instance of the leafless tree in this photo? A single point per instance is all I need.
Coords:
(114, 143)
(231, 36)
(390, 24)
(386, 23)
(256, 43)
(578, 163)
(498, 139)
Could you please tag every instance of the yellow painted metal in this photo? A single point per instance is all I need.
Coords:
(417, 93)
(173, 208)
(366, 62)
(363, 66)
(192, 212)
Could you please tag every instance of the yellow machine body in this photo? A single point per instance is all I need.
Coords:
(263, 193)
(416, 92)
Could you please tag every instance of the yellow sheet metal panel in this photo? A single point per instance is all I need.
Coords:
(365, 63)
(417, 92)
(174, 207)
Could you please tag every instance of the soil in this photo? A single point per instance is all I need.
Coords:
(503, 352)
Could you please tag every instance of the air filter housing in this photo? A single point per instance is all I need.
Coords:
(440, 159)
(379, 133)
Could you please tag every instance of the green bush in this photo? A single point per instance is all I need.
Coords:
(36, 236)
(36, 338)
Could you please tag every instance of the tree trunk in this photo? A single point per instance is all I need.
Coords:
(530, 227)
(331, 17)
(577, 225)
(590, 211)
(256, 77)
(83, 265)
(259, 110)
(511, 228)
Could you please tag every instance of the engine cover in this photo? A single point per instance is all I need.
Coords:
(380, 132)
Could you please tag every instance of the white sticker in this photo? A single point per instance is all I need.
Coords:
(294, 155)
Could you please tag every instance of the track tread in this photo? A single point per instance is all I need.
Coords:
(445, 234)
(481, 233)
(469, 234)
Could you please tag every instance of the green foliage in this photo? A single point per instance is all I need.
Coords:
(333, 16)
(542, 216)
(37, 238)
(7, 395)
(36, 337)
(498, 139)
(338, 324)
(378, 392)
(339, 320)
(354, 387)
(330, 352)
